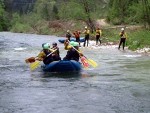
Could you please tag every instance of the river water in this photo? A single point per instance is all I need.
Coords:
(120, 83)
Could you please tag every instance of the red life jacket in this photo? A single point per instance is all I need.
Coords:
(77, 34)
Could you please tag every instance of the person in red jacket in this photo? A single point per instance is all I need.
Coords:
(77, 36)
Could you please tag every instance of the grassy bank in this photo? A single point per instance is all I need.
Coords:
(136, 39)
(139, 39)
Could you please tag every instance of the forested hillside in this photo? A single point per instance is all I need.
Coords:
(20, 6)
(115, 11)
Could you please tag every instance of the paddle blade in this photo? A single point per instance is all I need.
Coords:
(84, 62)
(92, 62)
(34, 65)
(30, 60)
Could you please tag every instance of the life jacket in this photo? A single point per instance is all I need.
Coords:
(87, 32)
(72, 54)
(123, 35)
(43, 54)
(76, 34)
(57, 51)
(98, 32)
(68, 35)
(47, 52)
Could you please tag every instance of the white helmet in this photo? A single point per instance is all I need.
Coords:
(68, 31)
(122, 29)
(85, 27)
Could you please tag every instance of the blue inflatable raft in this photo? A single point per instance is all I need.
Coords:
(63, 66)
(71, 39)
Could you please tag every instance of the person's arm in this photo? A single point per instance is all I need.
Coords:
(88, 31)
(41, 56)
(121, 34)
(100, 33)
(67, 46)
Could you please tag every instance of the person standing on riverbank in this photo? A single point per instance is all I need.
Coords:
(123, 37)
(98, 35)
(77, 36)
(87, 36)
(68, 35)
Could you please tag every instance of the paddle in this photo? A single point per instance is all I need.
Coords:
(85, 61)
(34, 63)
(92, 62)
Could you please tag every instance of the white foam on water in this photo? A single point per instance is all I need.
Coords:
(132, 56)
(19, 49)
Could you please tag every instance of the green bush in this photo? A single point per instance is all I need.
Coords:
(21, 28)
(139, 39)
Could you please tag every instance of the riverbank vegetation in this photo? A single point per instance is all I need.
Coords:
(54, 17)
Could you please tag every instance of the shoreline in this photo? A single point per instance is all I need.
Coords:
(144, 51)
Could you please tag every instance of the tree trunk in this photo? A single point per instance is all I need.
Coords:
(89, 21)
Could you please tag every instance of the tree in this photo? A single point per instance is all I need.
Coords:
(44, 8)
(146, 12)
(3, 21)
(89, 21)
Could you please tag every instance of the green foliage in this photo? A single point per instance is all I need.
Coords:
(21, 28)
(72, 10)
(15, 19)
(31, 19)
(139, 39)
(45, 8)
(129, 12)
(135, 14)
(110, 35)
(117, 11)
(4, 22)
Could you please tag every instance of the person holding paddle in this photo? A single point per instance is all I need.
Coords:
(47, 55)
(55, 47)
(85, 61)
(73, 54)
(43, 55)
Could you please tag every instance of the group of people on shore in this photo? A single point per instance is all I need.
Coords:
(86, 33)
(98, 36)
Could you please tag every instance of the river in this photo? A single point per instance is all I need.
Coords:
(120, 83)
